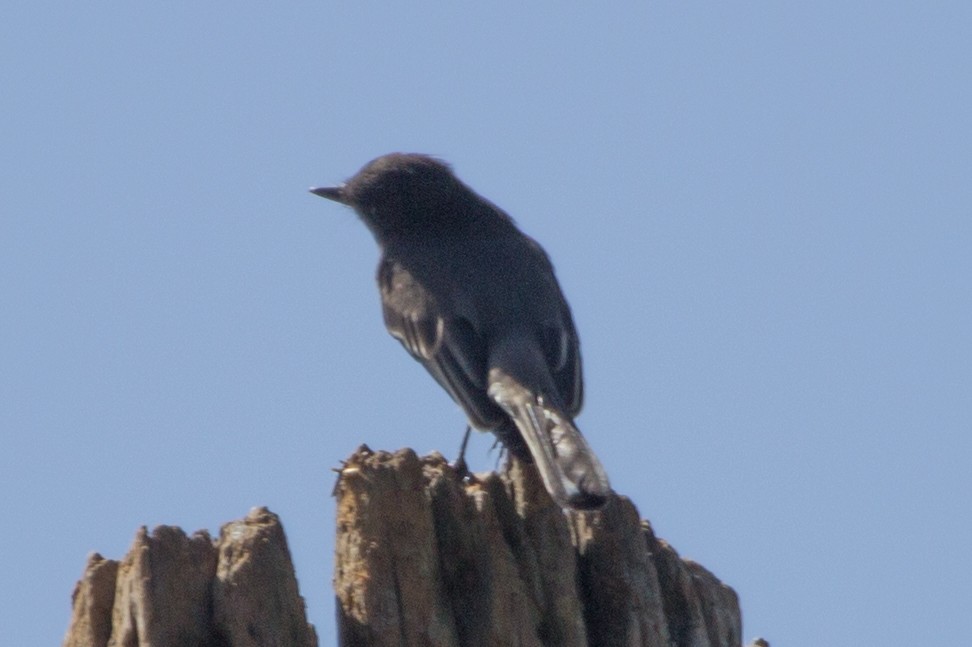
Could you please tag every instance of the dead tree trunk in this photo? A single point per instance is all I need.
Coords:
(173, 590)
(425, 559)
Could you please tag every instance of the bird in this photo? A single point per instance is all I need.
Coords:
(477, 303)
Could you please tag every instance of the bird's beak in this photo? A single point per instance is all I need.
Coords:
(335, 193)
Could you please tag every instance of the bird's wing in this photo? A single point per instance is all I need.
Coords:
(449, 348)
(560, 342)
(561, 347)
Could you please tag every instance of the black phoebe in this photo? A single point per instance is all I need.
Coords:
(477, 303)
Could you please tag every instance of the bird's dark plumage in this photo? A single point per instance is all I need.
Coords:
(477, 303)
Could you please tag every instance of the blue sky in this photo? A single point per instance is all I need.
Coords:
(760, 213)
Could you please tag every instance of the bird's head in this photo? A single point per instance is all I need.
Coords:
(399, 192)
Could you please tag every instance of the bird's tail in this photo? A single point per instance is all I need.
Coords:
(570, 471)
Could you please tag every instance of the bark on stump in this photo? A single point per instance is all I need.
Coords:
(427, 559)
(423, 558)
(173, 590)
